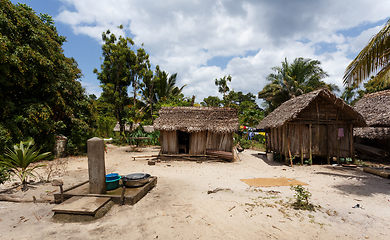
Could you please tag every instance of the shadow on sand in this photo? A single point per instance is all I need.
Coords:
(368, 184)
(270, 163)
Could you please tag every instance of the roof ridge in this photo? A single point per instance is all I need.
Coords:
(376, 94)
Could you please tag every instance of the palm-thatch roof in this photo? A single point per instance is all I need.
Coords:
(372, 132)
(375, 108)
(291, 109)
(196, 119)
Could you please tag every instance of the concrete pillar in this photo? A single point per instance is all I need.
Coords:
(96, 166)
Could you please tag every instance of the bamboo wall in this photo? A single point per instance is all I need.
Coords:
(198, 142)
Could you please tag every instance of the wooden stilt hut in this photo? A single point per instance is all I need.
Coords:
(196, 131)
(314, 124)
(374, 140)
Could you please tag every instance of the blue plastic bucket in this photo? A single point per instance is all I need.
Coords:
(112, 176)
(112, 184)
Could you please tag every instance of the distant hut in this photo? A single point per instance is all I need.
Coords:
(196, 131)
(314, 124)
(375, 108)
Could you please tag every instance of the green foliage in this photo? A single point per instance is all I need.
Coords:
(4, 174)
(19, 159)
(39, 86)
(373, 59)
(247, 144)
(291, 80)
(139, 132)
(302, 197)
(353, 93)
(121, 68)
(309, 161)
(154, 136)
(106, 126)
(260, 138)
(211, 101)
(223, 87)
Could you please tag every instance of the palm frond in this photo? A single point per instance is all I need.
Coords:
(374, 57)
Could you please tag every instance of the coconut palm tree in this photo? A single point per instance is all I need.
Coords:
(374, 58)
(290, 80)
(165, 85)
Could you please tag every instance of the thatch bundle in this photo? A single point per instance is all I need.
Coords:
(291, 109)
(375, 108)
(197, 119)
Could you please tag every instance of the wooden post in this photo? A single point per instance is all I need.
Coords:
(285, 144)
(338, 145)
(59, 183)
(351, 144)
(301, 142)
(327, 144)
(310, 144)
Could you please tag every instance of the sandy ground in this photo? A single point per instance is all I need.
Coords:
(179, 207)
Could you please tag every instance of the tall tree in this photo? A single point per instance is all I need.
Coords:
(222, 85)
(120, 68)
(374, 57)
(139, 70)
(39, 89)
(166, 85)
(290, 80)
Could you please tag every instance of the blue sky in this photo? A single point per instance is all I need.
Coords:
(201, 40)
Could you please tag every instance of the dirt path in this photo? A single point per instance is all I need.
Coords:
(179, 207)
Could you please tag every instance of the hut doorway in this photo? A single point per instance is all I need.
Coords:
(183, 140)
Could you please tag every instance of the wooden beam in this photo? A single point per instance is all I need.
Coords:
(301, 143)
(352, 149)
(285, 144)
(338, 145)
(310, 144)
(327, 144)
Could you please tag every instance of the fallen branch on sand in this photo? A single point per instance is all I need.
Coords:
(21, 200)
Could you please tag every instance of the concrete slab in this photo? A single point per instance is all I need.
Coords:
(81, 205)
(131, 196)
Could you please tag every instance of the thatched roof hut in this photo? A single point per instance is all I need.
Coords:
(373, 142)
(195, 130)
(197, 119)
(375, 108)
(291, 110)
(314, 124)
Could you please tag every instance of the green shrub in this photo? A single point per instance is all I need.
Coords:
(18, 160)
(302, 197)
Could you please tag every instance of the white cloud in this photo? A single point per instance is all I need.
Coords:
(181, 36)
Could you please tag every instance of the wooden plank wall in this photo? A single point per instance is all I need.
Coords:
(169, 142)
(197, 145)
(324, 139)
(226, 143)
(213, 140)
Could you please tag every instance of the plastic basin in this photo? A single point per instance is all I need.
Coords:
(112, 184)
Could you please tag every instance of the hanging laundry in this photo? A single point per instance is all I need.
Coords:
(341, 133)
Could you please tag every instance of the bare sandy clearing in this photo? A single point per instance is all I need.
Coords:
(179, 207)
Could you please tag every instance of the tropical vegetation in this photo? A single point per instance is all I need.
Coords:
(19, 160)
(301, 76)
(41, 95)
